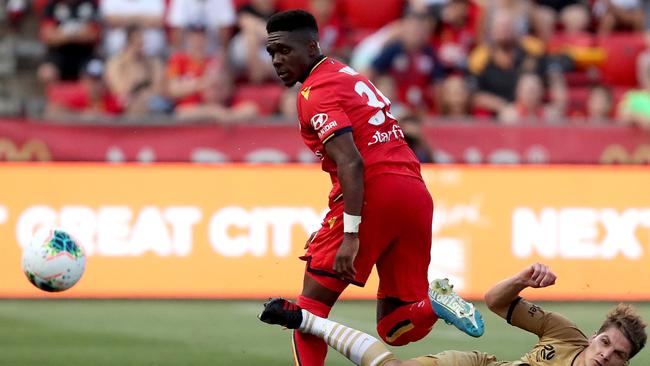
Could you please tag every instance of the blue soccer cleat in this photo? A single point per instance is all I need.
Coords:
(453, 309)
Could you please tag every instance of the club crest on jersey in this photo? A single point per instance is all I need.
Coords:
(318, 120)
(305, 92)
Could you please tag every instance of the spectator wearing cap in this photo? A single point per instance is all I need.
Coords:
(70, 30)
(117, 15)
(218, 16)
(247, 50)
(94, 99)
(412, 62)
(136, 79)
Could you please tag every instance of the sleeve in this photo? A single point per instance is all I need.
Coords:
(545, 324)
(321, 112)
(384, 60)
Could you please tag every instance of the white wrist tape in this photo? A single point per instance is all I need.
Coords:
(351, 223)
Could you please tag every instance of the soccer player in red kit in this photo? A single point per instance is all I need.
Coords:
(380, 211)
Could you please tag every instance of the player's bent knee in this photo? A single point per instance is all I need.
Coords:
(401, 333)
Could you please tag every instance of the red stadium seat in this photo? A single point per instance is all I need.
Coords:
(560, 41)
(622, 50)
(577, 102)
(266, 97)
(580, 78)
(371, 13)
(63, 92)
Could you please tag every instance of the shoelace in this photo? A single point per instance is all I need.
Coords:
(454, 302)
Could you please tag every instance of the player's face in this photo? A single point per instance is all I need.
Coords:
(291, 56)
(609, 348)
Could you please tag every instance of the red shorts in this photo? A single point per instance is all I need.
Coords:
(395, 234)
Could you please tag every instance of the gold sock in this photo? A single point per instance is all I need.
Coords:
(359, 347)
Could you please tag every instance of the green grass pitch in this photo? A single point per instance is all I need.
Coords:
(192, 332)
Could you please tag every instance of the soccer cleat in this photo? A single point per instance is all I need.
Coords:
(453, 309)
(281, 312)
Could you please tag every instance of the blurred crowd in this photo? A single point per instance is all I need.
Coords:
(507, 61)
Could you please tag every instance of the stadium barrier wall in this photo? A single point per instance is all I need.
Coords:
(254, 142)
(235, 231)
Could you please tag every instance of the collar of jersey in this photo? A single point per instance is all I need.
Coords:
(318, 63)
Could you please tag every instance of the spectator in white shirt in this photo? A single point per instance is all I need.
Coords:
(147, 14)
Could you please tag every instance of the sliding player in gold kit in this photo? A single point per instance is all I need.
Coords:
(621, 336)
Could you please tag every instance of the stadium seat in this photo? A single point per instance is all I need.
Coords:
(577, 101)
(578, 96)
(560, 41)
(580, 78)
(371, 13)
(622, 50)
(266, 96)
(64, 92)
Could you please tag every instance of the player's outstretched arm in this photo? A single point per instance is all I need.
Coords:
(499, 297)
(349, 166)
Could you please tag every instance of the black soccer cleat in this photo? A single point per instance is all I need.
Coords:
(281, 312)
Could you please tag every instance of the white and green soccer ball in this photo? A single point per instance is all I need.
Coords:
(53, 261)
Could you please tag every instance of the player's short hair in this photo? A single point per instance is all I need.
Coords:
(625, 319)
(291, 21)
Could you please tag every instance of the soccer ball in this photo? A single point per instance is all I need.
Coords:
(53, 261)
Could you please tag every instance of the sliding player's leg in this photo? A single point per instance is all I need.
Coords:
(359, 347)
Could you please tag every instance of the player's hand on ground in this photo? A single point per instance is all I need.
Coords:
(538, 275)
(311, 238)
(344, 260)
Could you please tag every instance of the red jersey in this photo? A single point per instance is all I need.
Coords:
(181, 65)
(335, 99)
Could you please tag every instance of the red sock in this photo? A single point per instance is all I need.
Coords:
(408, 323)
(309, 350)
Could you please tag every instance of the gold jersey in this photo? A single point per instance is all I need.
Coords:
(560, 341)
